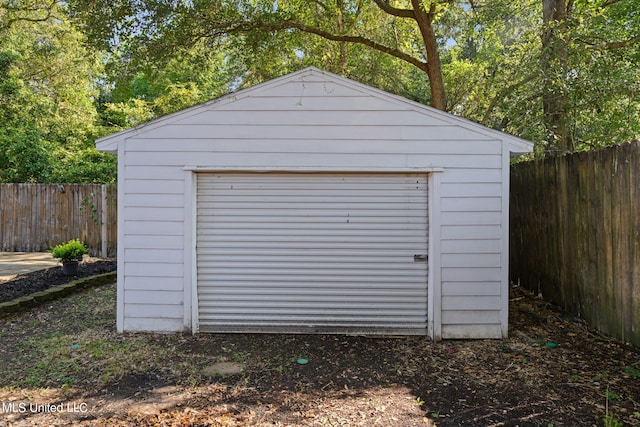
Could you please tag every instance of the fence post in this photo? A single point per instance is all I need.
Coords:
(103, 221)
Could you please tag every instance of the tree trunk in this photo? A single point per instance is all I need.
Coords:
(555, 99)
(434, 67)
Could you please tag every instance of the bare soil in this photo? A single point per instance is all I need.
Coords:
(551, 371)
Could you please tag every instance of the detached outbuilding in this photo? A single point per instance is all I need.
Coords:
(313, 204)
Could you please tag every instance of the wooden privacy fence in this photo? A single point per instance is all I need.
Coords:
(36, 217)
(575, 235)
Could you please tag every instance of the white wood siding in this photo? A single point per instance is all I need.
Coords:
(313, 121)
(312, 252)
(152, 238)
(471, 250)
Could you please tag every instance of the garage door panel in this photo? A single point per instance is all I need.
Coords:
(299, 214)
(303, 245)
(304, 251)
(336, 234)
(289, 208)
(312, 286)
(312, 318)
(347, 268)
(303, 320)
(354, 227)
(355, 256)
(337, 299)
(244, 290)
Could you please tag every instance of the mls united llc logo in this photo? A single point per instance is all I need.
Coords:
(22, 407)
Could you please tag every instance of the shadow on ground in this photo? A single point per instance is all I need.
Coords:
(69, 352)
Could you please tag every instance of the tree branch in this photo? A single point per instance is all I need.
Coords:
(14, 9)
(608, 3)
(620, 44)
(355, 39)
(294, 25)
(612, 45)
(387, 8)
(424, 19)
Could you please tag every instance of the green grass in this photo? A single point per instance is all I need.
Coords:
(38, 353)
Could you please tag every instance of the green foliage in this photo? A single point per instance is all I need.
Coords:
(24, 154)
(612, 396)
(165, 55)
(47, 90)
(610, 420)
(73, 71)
(633, 370)
(145, 89)
(491, 66)
(122, 115)
(86, 165)
(70, 251)
(494, 75)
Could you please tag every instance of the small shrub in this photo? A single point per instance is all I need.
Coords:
(70, 251)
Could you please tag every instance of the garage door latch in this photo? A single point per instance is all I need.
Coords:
(420, 258)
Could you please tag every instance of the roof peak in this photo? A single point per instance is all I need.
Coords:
(517, 145)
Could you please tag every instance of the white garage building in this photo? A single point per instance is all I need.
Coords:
(313, 204)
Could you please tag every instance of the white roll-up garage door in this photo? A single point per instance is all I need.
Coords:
(303, 252)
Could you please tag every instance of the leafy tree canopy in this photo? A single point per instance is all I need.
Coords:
(562, 73)
(47, 93)
(500, 63)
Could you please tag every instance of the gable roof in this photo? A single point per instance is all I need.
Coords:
(515, 145)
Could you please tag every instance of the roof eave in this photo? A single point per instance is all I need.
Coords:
(518, 147)
(109, 144)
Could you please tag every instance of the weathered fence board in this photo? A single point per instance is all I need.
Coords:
(575, 235)
(36, 217)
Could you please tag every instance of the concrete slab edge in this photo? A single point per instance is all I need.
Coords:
(37, 298)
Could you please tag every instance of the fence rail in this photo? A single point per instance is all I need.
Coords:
(36, 217)
(575, 235)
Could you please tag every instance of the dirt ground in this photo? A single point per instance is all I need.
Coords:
(64, 364)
